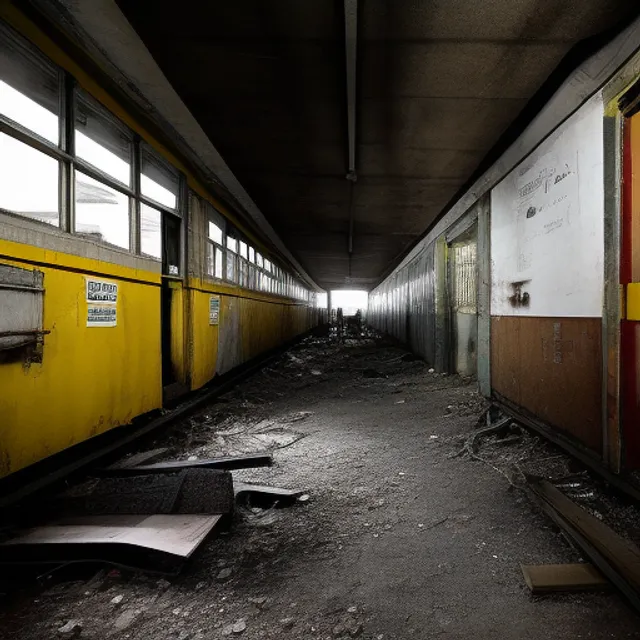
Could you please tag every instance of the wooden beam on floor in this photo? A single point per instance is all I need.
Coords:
(618, 559)
(552, 578)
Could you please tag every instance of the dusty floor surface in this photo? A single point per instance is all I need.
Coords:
(400, 537)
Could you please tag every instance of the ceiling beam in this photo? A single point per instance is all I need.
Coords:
(351, 42)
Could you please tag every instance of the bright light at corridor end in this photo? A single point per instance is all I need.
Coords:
(349, 300)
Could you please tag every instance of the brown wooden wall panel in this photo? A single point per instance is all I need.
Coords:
(552, 367)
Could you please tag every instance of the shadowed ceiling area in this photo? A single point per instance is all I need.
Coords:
(438, 82)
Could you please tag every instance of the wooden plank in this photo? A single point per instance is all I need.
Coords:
(546, 578)
(617, 558)
(248, 461)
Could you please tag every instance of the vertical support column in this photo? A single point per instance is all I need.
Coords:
(484, 295)
(184, 203)
(134, 214)
(68, 142)
(611, 316)
(441, 306)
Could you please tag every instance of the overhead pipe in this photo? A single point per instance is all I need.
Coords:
(351, 46)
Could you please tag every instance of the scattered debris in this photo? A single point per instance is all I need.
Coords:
(288, 623)
(126, 619)
(72, 628)
(224, 574)
(239, 626)
(117, 600)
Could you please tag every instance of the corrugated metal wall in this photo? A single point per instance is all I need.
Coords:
(404, 305)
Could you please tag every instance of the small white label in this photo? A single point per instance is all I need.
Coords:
(214, 310)
(102, 291)
(99, 315)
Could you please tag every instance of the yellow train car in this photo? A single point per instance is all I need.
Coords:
(124, 281)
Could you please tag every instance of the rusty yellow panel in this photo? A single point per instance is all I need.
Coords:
(91, 379)
(179, 360)
(203, 340)
(633, 301)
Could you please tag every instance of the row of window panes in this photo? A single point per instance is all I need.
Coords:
(30, 91)
(244, 265)
(30, 99)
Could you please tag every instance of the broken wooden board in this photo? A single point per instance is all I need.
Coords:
(618, 559)
(145, 542)
(249, 461)
(548, 578)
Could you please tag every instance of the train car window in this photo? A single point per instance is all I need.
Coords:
(259, 260)
(150, 231)
(100, 141)
(243, 272)
(30, 183)
(243, 250)
(232, 244)
(267, 265)
(215, 233)
(215, 252)
(102, 212)
(252, 255)
(231, 264)
(29, 87)
(159, 181)
(214, 261)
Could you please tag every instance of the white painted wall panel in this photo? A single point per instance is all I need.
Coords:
(547, 224)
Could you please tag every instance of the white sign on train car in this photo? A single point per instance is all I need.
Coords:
(102, 299)
(101, 291)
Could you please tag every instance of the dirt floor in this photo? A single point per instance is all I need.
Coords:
(401, 535)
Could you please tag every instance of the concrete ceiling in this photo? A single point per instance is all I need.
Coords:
(439, 82)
